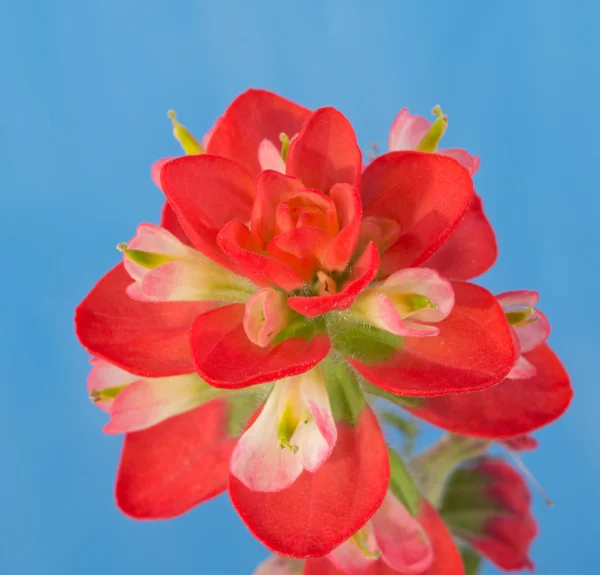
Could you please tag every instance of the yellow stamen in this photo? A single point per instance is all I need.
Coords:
(285, 145)
(431, 140)
(187, 140)
(147, 260)
(360, 539)
(521, 317)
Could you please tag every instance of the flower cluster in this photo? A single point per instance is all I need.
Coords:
(243, 342)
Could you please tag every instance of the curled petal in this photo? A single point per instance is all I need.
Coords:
(147, 402)
(266, 315)
(423, 282)
(269, 157)
(362, 273)
(276, 565)
(325, 152)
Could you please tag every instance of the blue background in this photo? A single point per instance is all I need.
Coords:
(86, 87)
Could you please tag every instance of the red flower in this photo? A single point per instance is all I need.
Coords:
(496, 516)
(256, 276)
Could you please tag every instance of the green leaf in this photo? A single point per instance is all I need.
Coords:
(303, 327)
(402, 484)
(471, 560)
(345, 395)
(360, 340)
(392, 397)
(242, 404)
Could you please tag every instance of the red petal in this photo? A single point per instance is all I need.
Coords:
(447, 559)
(169, 468)
(149, 339)
(271, 189)
(349, 213)
(427, 194)
(252, 117)
(322, 509)
(302, 249)
(473, 350)
(509, 409)
(507, 541)
(205, 193)
(242, 248)
(225, 357)
(363, 272)
(170, 222)
(470, 250)
(325, 152)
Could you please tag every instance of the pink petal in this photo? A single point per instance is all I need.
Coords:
(157, 168)
(519, 298)
(363, 272)
(463, 157)
(403, 543)
(349, 559)
(147, 402)
(379, 310)
(265, 316)
(425, 282)
(269, 157)
(534, 334)
(407, 131)
(276, 565)
(523, 369)
(257, 460)
(105, 375)
(316, 439)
